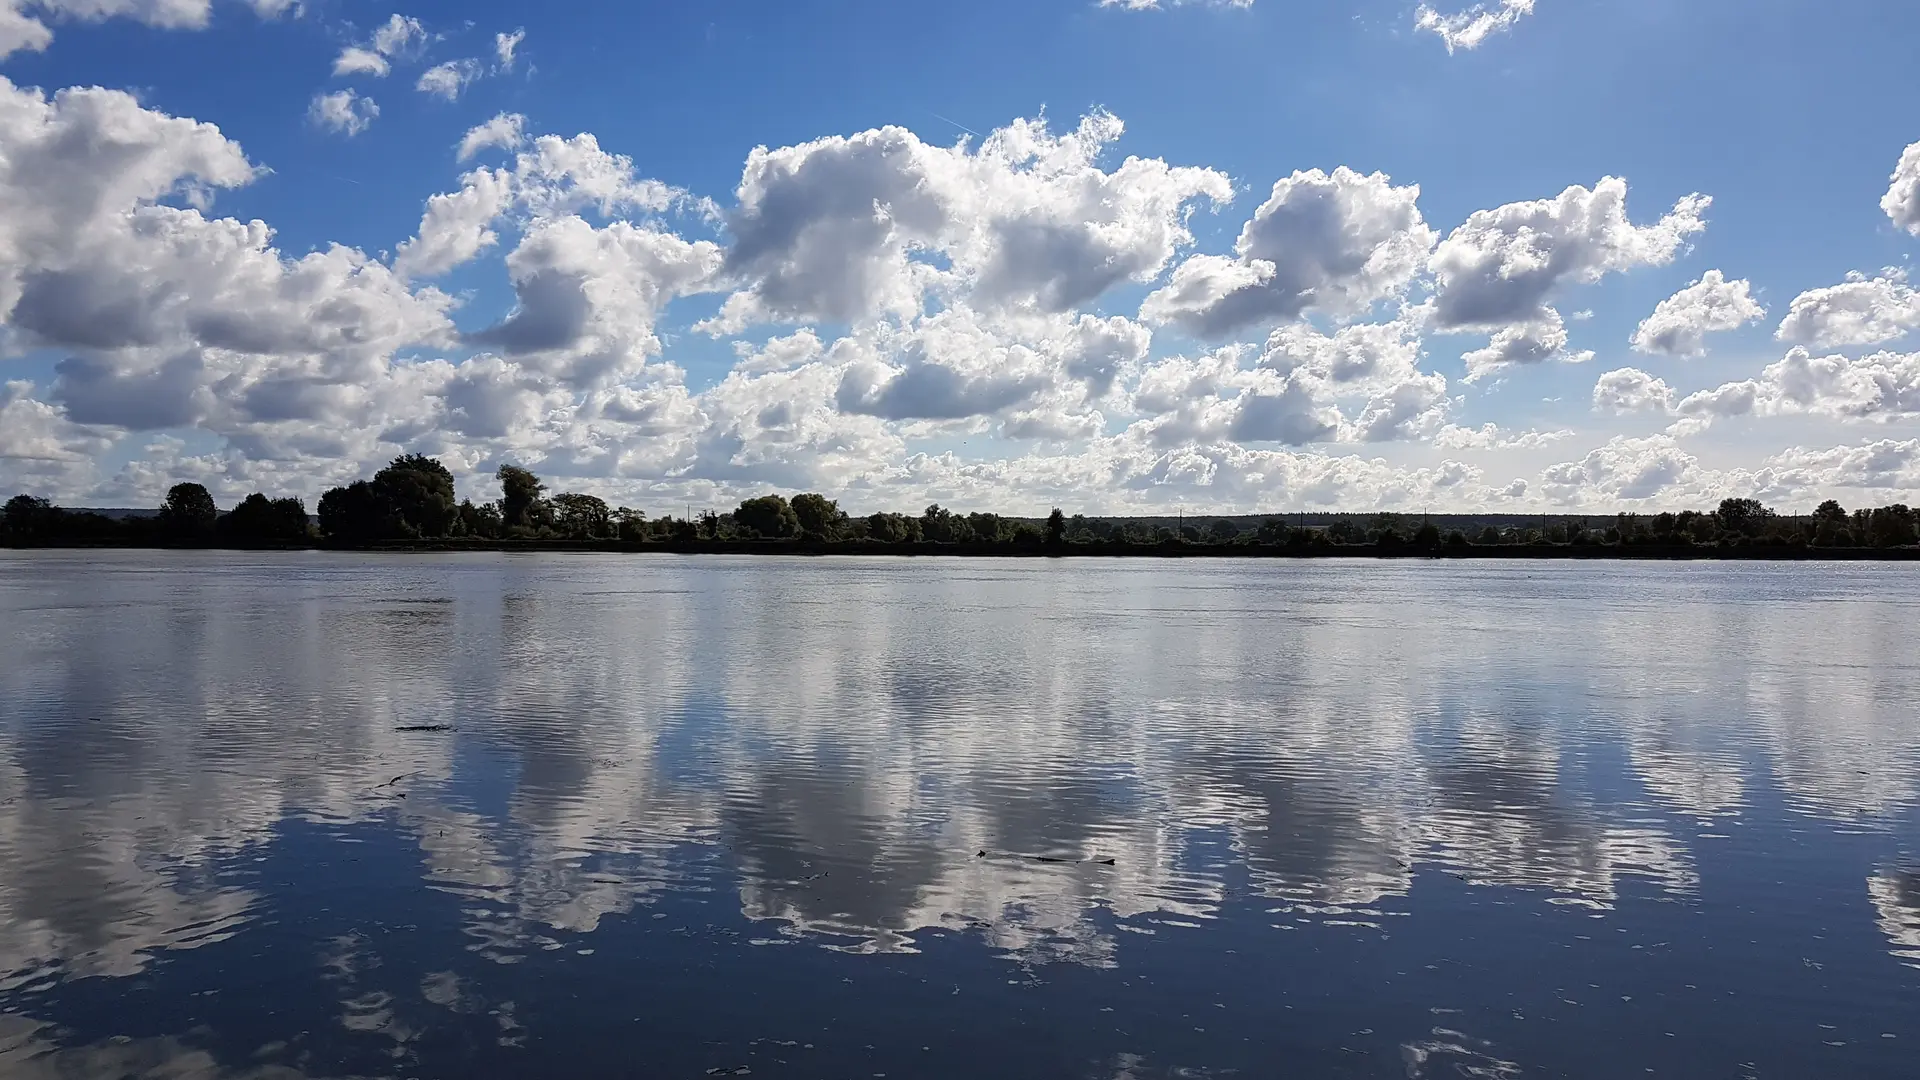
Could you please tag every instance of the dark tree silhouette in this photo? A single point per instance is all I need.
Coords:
(360, 513)
(768, 516)
(420, 491)
(27, 520)
(1742, 517)
(260, 520)
(189, 513)
(520, 504)
(582, 517)
(819, 517)
(1056, 528)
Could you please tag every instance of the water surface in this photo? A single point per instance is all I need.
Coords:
(847, 818)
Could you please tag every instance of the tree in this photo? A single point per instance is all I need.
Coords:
(1223, 532)
(582, 517)
(630, 524)
(1056, 528)
(260, 520)
(768, 516)
(189, 513)
(1742, 517)
(1830, 511)
(1427, 537)
(940, 526)
(360, 513)
(520, 504)
(26, 518)
(820, 518)
(420, 490)
(1891, 526)
(482, 521)
(893, 528)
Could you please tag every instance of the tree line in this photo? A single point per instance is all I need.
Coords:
(412, 500)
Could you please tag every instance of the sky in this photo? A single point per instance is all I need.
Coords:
(1222, 256)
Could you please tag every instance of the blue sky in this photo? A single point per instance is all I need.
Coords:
(981, 388)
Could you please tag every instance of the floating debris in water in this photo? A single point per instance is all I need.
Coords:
(424, 728)
(1040, 858)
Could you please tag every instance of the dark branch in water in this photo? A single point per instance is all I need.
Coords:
(1040, 858)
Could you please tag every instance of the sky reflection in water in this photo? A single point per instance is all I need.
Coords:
(1365, 819)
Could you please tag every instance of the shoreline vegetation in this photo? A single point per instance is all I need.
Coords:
(410, 506)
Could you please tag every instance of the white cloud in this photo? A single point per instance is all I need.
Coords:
(457, 226)
(396, 37)
(23, 23)
(1680, 324)
(345, 112)
(1492, 437)
(169, 318)
(504, 130)
(840, 228)
(505, 46)
(399, 33)
(1336, 243)
(588, 297)
(1499, 272)
(39, 445)
(1884, 386)
(448, 80)
(1468, 29)
(1524, 343)
(554, 178)
(1902, 200)
(1860, 311)
(1631, 390)
(354, 60)
(1623, 470)
(1885, 464)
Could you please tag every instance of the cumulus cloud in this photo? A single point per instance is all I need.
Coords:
(1336, 243)
(344, 112)
(505, 130)
(1493, 437)
(448, 80)
(1623, 470)
(398, 34)
(1860, 311)
(553, 178)
(23, 23)
(1884, 464)
(356, 60)
(842, 228)
(1470, 28)
(1295, 391)
(1628, 390)
(170, 317)
(1499, 272)
(396, 37)
(1884, 386)
(1902, 200)
(1680, 324)
(505, 46)
(588, 297)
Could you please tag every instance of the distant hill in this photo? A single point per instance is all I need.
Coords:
(117, 513)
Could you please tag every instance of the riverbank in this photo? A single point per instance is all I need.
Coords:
(1103, 550)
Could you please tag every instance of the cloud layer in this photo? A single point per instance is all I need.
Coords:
(1009, 321)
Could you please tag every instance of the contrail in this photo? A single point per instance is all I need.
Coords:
(959, 125)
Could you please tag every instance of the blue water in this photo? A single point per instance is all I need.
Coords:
(700, 815)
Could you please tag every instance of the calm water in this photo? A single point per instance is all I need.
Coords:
(706, 816)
